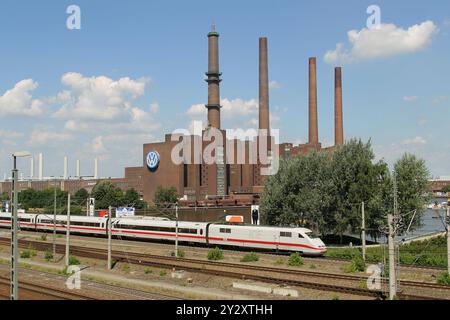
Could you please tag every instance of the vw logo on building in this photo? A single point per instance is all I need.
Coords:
(153, 160)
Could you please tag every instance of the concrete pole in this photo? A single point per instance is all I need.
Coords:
(448, 238)
(176, 231)
(392, 261)
(68, 231)
(54, 221)
(14, 241)
(66, 168)
(109, 238)
(40, 167)
(78, 174)
(32, 168)
(363, 228)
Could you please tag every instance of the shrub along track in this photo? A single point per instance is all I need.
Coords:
(350, 284)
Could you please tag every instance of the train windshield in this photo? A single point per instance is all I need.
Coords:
(312, 235)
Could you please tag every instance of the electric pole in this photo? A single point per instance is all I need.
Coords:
(14, 242)
(54, 221)
(176, 230)
(391, 244)
(448, 237)
(109, 239)
(68, 231)
(363, 228)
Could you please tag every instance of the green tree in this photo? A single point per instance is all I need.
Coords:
(300, 192)
(4, 196)
(446, 189)
(412, 185)
(132, 198)
(357, 178)
(81, 195)
(164, 196)
(107, 194)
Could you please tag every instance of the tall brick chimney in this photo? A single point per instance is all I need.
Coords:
(264, 114)
(313, 124)
(213, 80)
(338, 115)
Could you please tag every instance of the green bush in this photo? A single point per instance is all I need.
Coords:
(357, 265)
(48, 256)
(444, 278)
(148, 270)
(44, 237)
(181, 254)
(215, 254)
(126, 267)
(295, 260)
(162, 273)
(250, 257)
(26, 254)
(73, 261)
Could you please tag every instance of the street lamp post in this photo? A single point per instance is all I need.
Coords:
(14, 241)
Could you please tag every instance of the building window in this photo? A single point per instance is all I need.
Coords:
(185, 175)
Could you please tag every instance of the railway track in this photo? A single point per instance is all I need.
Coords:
(282, 276)
(31, 289)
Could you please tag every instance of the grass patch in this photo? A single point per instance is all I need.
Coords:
(126, 268)
(48, 256)
(44, 237)
(295, 260)
(250, 257)
(430, 253)
(148, 270)
(162, 273)
(279, 261)
(73, 261)
(444, 278)
(312, 266)
(215, 254)
(181, 254)
(27, 254)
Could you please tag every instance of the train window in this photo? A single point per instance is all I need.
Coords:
(225, 230)
(301, 236)
(201, 232)
(190, 231)
(5, 218)
(285, 234)
(312, 235)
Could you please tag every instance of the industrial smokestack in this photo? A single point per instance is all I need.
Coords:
(95, 168)
(213, 80)
(40, 166)
(338, 114)
(32, 167)
(66, 168)
(78, 169)
(313, 124)
(264, 114)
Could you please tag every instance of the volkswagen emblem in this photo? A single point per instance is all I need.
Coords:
(153, 160)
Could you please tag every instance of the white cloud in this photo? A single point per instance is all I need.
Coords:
(410, 98)
(154, 107)
(275, 85)
(230, 109)
(97, 98)
(386, 41)
(44, 137)
(415, 141)
(19, 101)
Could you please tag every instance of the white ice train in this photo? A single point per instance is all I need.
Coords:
(245, 236)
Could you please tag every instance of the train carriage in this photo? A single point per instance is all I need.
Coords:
(244, 236)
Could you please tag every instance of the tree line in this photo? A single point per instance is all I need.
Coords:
(325, 191)
(105, 193)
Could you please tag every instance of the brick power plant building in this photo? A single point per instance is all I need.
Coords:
(196, 181)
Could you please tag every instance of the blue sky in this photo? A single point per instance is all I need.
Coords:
(135, 72)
